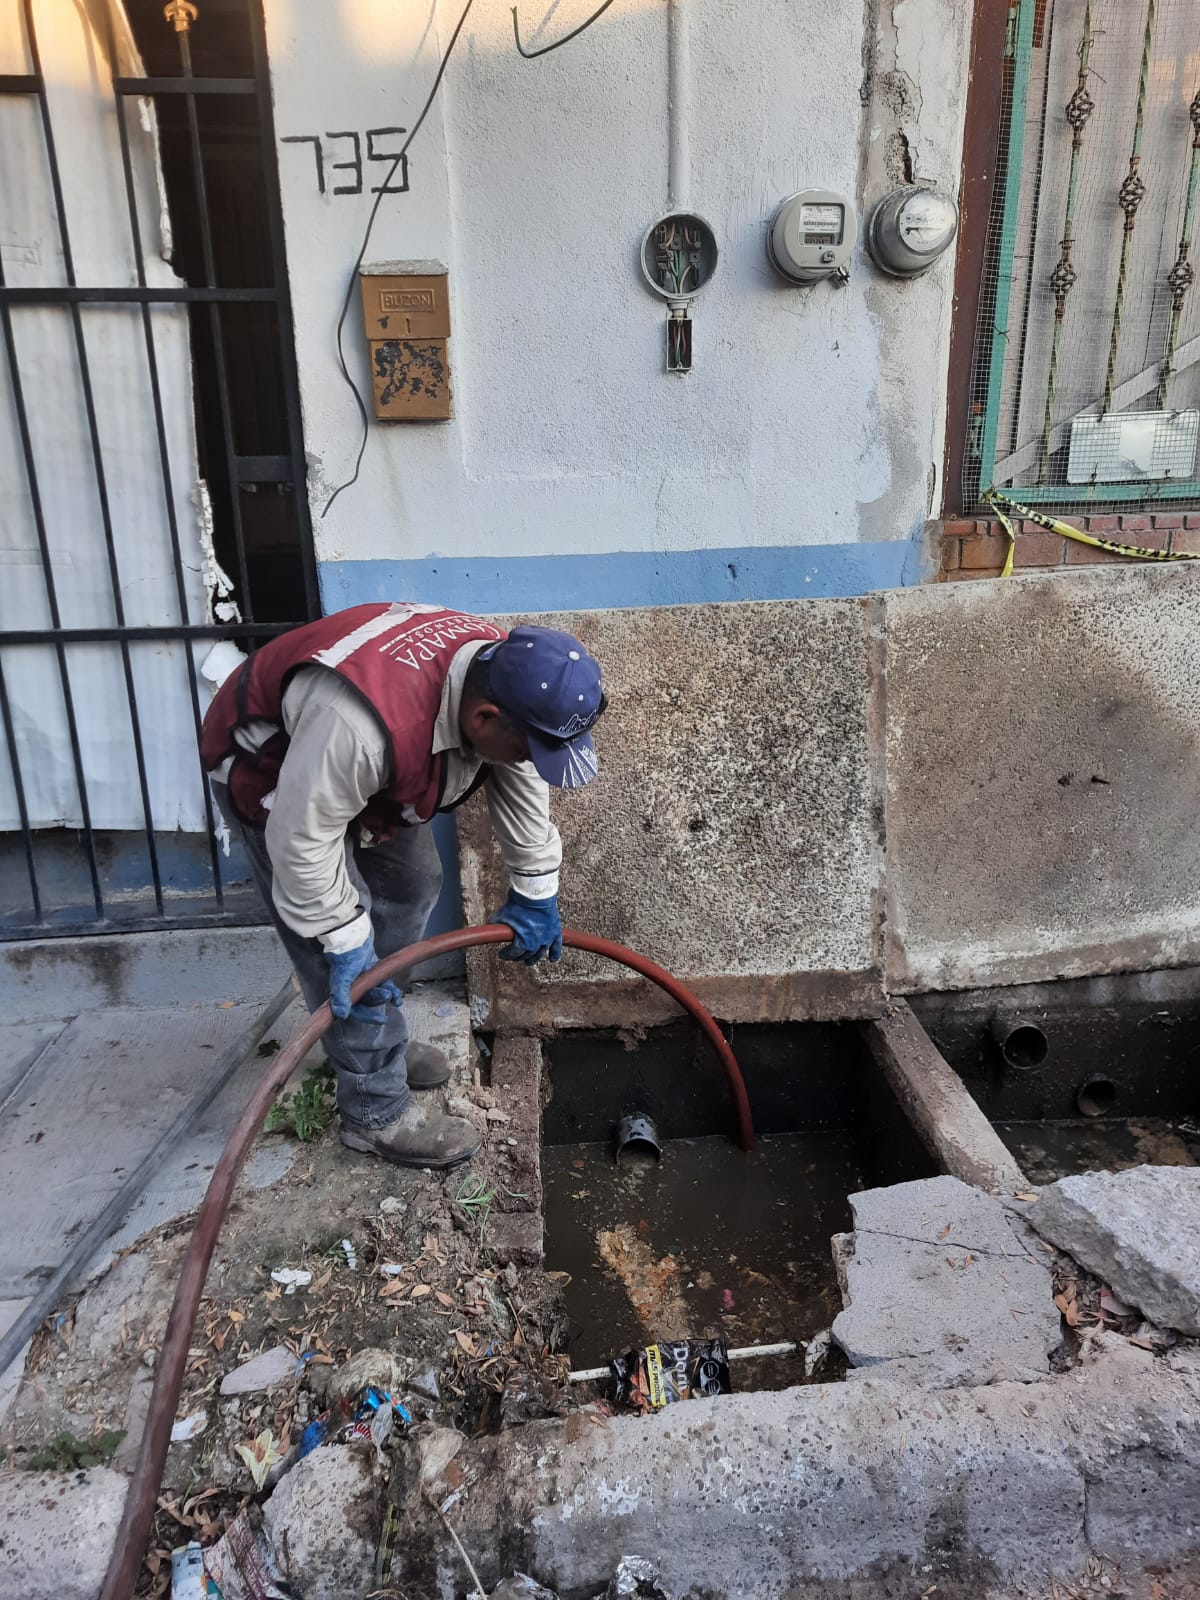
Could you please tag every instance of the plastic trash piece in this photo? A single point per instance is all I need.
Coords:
(372, 1418)
(521, 1587)
(187, 1573)
(659, 1375)
(187, 1429)
(636, 1579)
(292, 1278)
(351, 1257)
(816, 1352)
(242, 1562)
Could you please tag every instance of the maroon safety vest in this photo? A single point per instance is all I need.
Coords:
(395, 656)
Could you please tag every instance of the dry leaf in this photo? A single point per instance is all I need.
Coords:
(1025, 1194)
(260, 1455)
(465, 1341)
(420, 1289)
(945, 1233)
(445, 1299)
(1066, 1304)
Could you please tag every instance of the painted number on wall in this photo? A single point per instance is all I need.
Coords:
(393, 183)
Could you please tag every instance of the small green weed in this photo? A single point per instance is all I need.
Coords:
(476, 1199)
(309, 1111)
(66, 1453)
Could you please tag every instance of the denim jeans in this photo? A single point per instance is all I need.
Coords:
(398, 883)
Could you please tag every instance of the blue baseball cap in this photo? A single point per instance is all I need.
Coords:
(549, 683)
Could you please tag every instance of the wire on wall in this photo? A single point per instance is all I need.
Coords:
(529, 55)
(532, 55)
(362, 250)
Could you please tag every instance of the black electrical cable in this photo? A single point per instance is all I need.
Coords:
(362, 250)
(532, 55)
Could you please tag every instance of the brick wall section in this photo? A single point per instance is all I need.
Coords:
(976, 547)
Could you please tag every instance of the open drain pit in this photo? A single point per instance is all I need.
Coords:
(1102, 1075)
(703, 1239)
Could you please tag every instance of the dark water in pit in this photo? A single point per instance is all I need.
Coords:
(1046, 1151)
(712, 1240)
(1124, 1048)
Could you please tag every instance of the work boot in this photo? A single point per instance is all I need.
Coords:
(417, 1138)
(427, 1068)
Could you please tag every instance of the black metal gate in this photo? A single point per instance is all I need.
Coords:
(203, 70)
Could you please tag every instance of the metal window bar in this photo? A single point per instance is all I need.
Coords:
(290, 467)
(89, 404)
(164, 458)
(64, 676)
(1010, 344)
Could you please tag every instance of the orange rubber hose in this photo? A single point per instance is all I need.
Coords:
(168, 1375)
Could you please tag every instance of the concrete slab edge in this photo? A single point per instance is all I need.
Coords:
(752, 1495)
(937, 1103)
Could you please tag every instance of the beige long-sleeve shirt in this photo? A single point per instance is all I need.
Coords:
(336, 762)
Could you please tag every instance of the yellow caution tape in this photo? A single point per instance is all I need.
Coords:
(1000, 504)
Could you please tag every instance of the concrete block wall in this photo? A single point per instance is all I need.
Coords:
(735, 836)
(807, 805)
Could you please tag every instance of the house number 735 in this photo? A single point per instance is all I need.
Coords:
(393, 182)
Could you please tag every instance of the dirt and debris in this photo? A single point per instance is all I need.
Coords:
(347, 1271)
(653, 1284)
(1090, 1310)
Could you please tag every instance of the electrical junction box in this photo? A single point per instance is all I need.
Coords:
(812, 235)
(406, 316)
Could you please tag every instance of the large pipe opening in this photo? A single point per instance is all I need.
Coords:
(1022, 1045)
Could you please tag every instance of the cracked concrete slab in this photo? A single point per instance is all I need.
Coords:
(943, 1288)
(59, 1531)
(1138, 1230)
(768, 1495)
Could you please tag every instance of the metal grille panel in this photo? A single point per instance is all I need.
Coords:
(1086, 387)
(104, 632)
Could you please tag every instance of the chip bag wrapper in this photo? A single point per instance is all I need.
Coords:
(660, 1374)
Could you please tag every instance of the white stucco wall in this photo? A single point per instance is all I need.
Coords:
(813, 417)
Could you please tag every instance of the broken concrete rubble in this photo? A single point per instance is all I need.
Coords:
(58, 1532)
(757, 1495)
(1138, 1230)
(324, 1519)
(942, 1289)
(263, 1371)
(378, 1367)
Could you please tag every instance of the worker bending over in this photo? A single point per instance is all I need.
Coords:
(330, 749)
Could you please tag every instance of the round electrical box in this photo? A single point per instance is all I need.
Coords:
(910, 228)
(679, 256)
(812, 235)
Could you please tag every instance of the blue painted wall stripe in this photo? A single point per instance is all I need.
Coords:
(624, 578)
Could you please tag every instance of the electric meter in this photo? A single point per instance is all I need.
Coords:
(910, 228)
(812, 235)
(678, 258)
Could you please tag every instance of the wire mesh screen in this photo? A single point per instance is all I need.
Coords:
(1086, 386)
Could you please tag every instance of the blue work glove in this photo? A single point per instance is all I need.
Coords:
(344, 967)
(536, 926)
